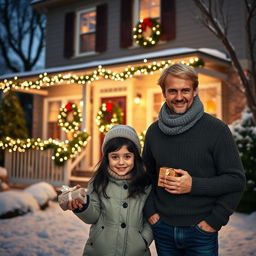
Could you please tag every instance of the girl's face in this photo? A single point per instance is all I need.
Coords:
(122, 161)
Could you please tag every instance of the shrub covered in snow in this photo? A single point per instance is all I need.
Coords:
(244, 133)
(43, 192)
(14, 203)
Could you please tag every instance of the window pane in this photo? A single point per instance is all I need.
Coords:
(209, 98)
(53, 129)
(87, 22)
(149, 8)
(54, 108)
(87, 42)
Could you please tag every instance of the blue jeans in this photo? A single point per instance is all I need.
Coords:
(184, 241)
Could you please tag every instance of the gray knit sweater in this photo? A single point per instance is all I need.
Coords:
(208, 153)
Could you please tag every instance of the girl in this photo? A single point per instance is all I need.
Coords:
(115, 199)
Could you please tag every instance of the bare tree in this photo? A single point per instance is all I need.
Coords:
(215, 18)
(21, 34)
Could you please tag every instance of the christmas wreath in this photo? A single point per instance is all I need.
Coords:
(69, 117)
(147, 32)
(108, 115)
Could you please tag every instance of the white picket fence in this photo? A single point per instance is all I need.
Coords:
(35, 165)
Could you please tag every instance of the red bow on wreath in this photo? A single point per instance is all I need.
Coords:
(68, 107)
(109, 107)
(146, 23)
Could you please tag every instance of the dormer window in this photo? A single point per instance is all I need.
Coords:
(86, 31)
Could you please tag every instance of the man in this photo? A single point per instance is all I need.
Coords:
(187, 212)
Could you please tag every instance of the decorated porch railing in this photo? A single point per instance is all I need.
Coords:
(35, 165)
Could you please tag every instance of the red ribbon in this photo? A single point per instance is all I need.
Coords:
(146, 23)
(109, 107)
(68, 107)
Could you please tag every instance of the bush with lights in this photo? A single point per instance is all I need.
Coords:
(108, 115)
(244, 133)
(147, 32)
(62, 151)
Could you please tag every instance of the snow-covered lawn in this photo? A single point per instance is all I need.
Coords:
(55, 232)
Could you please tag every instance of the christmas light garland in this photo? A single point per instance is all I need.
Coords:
(108, 115)
(67, 112)
(62, 151)
(147, 32)
(47, 80)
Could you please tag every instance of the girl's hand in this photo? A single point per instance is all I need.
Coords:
(74, 204)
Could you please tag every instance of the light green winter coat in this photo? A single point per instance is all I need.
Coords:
(118, 227)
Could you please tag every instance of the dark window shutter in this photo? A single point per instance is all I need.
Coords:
(126, 24)
(69, 35)
(101, 28)
(168, 23)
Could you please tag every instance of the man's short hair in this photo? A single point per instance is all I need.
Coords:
(181, 71)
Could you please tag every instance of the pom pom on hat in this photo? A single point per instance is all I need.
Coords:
(124, 131)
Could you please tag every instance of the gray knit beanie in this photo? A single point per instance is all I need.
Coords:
(124, 131)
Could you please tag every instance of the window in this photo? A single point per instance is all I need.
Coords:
(52, 123)
(149, 8)
(146, 8)
(53, 129)
(86, 31)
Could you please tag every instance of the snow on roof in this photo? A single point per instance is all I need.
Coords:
(140, 57)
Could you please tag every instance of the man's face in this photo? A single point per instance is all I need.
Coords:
(179, 94)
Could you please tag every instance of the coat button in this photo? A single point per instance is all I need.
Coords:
(102, 227)
(123, 225)
(125, 186)
(125, 205)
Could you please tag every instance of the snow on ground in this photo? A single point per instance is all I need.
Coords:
(55, 232)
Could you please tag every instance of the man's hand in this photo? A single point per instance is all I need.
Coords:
(177, 185)
(205, 226)
(154, 218)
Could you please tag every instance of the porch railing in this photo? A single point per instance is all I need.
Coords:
(35, 165)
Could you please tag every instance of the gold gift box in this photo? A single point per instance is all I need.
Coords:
(166, 171)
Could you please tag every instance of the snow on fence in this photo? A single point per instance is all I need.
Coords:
(36, 165)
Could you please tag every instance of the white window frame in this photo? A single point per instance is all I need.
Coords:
(77, 34)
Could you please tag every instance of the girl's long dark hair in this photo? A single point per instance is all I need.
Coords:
(139, 180)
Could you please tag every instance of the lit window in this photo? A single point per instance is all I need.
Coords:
(87, 31)
(149, 8)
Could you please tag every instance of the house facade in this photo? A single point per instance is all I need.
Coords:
(84, 37)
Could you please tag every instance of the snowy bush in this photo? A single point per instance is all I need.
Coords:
(244, 133)
(19, 202)
(42, 192)
(14, 203)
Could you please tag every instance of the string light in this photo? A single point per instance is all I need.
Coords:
(51, 80)
(62, 151)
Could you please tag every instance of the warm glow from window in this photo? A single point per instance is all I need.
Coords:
(54, 108)
(87, 28)
(149, 8)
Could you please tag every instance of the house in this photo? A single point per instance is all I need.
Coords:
(92, 58)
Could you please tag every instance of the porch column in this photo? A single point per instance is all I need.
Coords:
(83, 126)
